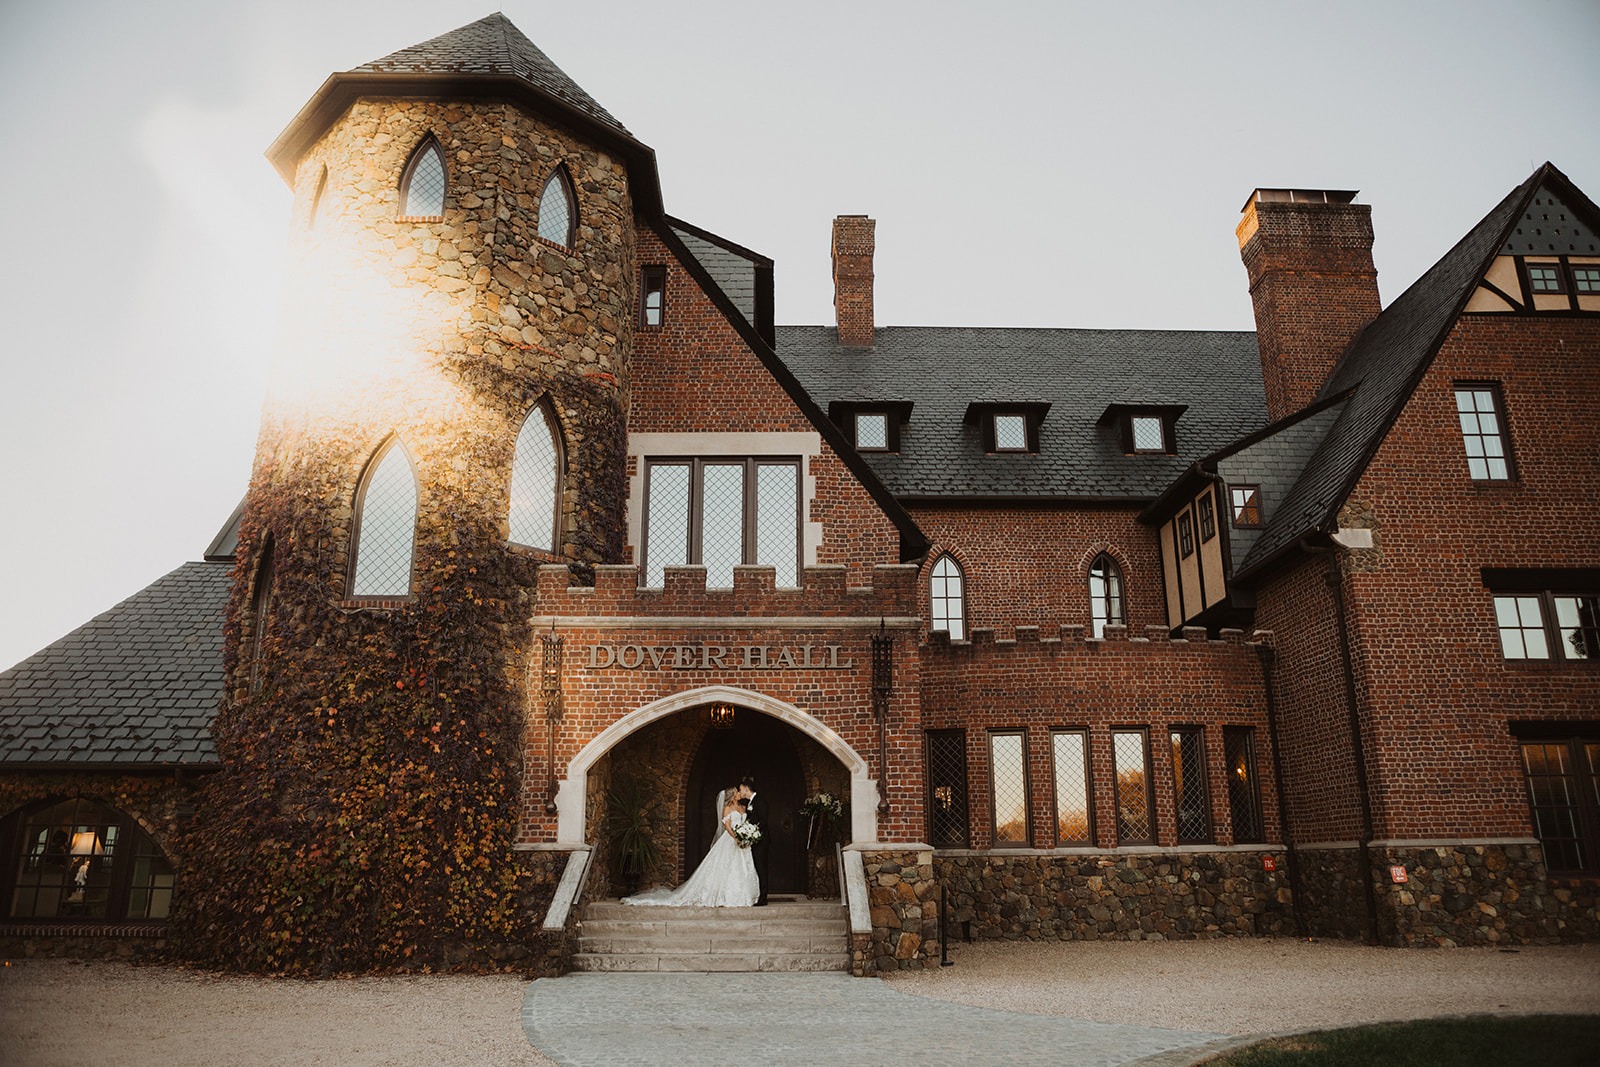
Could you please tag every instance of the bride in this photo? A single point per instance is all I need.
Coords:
(726, 878)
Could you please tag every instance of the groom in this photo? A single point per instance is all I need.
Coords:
(756, 811)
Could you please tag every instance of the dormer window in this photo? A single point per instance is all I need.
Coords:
(1586, 279)
(872, 431)
(871, 425)
(1148, 433)
(1145, 429)
(1010, 433)
(1008, 427)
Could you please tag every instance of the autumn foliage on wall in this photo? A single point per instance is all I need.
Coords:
(363, 820)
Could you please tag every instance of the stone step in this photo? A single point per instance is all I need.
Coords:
(825, 941)
(797, 909)
(712, 928)
(786, 935)
(588, 961)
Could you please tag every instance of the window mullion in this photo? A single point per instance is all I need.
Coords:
(697, 503)
(751, 514)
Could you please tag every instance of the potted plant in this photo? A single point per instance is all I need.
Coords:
(630, 829)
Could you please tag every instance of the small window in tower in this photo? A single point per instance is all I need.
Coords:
(1586, 279)
(558, 213)
(1545, 278)
(535, 515)
(652, 296)
(422, 187)
(872, 431)
(316, 200)
(385, 526)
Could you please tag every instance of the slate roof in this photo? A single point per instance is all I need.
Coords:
(1079, 373)
(135, 686)
(732, 267)
(1382, 367)
(492, 45)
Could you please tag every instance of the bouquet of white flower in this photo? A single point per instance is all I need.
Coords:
(823, 806)
(747, 834)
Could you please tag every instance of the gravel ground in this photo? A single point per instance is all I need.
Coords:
(1261, 986)
(56, 1013)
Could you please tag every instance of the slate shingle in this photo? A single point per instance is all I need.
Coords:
(138, 683)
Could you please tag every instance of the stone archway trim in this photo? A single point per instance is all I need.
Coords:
(572, 791)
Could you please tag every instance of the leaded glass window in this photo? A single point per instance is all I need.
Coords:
(1131, 759)
(1008, 776)
(536, 482)
(1148, 434)
(1105, 594)
(386, 524)
(422, 187)
(721, 513)
(872, 430)
(947, 788)
(1069, 753)
(947, 598)
(1010, 433)
(1191, 799)
(558, 211)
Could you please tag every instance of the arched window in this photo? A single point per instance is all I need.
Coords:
(81, 860)
(1105, 594)
(536, 481)
(558, 210)
(386, 525)
(316, 200)
(423, 184)
(947, 599)
(260, 614)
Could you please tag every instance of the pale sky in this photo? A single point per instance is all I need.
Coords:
(1029, 164)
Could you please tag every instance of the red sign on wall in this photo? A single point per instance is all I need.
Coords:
(1398, 875)
(1269, 863)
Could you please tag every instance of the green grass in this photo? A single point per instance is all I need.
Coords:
(1479, 1041)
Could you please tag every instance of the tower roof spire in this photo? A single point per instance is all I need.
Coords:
(487, 59)
(492, 46)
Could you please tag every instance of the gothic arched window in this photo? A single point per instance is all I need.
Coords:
(386, 525)
(947, 597)
(1105, 594)
(536, 481)
(423, 184)
(316, 199)
(558, 209)
(260, 614)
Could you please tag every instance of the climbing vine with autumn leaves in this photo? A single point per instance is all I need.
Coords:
(364, 816)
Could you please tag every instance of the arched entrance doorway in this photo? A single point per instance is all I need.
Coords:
(572, 792)
(762, 747)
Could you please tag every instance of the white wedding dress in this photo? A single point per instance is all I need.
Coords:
(726, 878)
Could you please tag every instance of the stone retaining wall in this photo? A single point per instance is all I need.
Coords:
(1114, 896)
(1454, 894)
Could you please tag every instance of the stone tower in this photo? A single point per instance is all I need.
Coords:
(447, 412)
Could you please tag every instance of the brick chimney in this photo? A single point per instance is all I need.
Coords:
(852, 278)
(1309, 257)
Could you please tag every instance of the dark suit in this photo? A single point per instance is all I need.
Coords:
(757, 813)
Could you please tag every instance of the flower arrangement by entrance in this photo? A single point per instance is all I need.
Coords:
(826, 818)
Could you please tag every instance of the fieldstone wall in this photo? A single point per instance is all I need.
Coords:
(548, 952)
(904, 900)
(1454, 894)
(1138, 896)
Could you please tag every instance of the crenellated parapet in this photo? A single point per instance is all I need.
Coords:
(824, 593)
(1114, 638)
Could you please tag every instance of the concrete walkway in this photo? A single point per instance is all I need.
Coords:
(819, 1020)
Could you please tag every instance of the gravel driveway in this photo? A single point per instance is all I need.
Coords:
(57, 1012)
